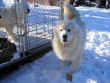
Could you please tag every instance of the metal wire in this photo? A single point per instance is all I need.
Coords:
(39, 25)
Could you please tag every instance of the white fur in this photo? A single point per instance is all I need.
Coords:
(9, 18)
(72, 50)
(70, 11)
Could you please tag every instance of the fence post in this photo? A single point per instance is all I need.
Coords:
(62, 10)
(21, 42)
(25, 31)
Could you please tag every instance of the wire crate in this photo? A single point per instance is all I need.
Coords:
(38, 25)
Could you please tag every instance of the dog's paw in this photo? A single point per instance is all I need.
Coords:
(69, 77)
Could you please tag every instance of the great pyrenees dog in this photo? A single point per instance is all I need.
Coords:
(9, 17)
(69, 40)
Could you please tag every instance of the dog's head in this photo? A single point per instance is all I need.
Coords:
(65, 31)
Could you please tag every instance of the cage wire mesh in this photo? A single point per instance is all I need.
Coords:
(38, 24)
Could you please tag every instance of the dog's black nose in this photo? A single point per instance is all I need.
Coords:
(28, 10)
(65, 36)
(0, 16)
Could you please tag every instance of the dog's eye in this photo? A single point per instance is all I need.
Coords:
(61, 29)
(69, 30)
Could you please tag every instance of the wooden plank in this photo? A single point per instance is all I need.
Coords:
(33, 55)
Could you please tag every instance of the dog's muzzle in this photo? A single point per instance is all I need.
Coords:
(64, 38)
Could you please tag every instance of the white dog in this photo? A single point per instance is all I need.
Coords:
(69, 40)
(9, 18)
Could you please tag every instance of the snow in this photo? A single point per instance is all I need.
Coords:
(2, 4)
(8, 2)
(95, 65)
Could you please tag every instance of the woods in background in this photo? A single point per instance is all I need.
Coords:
(97, 3)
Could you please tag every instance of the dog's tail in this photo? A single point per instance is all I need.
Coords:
(70, 11)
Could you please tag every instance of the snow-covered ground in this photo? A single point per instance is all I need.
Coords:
(95, 66)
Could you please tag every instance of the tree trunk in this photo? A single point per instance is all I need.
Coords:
(108, 4)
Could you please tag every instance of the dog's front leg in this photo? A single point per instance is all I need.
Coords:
(73, 68)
